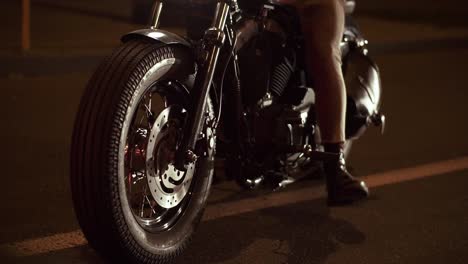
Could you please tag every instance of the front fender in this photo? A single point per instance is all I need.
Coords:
(158, 35)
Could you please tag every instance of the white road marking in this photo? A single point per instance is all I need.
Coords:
(73, 239)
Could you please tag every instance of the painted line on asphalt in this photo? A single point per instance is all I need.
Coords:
(43, 245)
(73, 239)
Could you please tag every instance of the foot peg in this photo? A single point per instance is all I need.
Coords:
(320, 155)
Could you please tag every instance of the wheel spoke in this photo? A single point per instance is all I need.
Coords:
(137, 176)
(142, 210)
(153, 211)
(147, 108)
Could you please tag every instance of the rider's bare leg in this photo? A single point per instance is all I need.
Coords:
(323, 27)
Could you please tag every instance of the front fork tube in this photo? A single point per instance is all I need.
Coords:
(236, 116)
(213, 40)
(156, 18)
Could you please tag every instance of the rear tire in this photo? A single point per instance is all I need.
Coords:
(103, 135)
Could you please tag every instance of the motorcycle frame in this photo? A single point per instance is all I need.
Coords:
(214, 39)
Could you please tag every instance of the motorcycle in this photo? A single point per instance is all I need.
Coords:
(163, 108)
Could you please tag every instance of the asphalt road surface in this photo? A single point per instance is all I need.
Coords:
(418, 170)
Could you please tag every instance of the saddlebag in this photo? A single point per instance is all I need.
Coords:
(363, 87)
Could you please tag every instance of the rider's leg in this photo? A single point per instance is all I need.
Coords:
(323, 26)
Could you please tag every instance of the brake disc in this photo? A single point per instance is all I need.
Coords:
(167, 184)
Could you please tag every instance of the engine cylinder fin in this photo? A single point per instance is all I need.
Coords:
(281, 75)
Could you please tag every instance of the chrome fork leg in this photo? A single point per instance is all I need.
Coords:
(213, 41)
(156, 18)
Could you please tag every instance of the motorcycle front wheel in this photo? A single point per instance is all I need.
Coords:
(132, 203)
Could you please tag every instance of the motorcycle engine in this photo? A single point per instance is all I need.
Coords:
(276, 133)
(275, 126)
(275, 109)
(269, 60)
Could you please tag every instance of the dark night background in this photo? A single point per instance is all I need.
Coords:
(422, 50)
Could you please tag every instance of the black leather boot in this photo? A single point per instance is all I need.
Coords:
(342, 187)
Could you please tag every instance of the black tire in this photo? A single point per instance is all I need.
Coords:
(99, 155)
